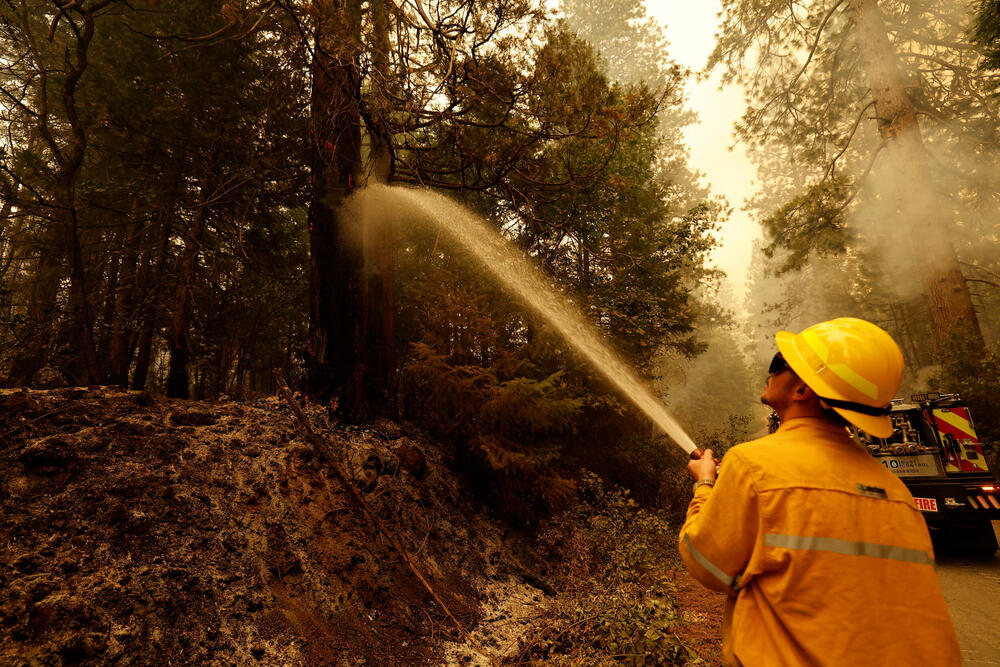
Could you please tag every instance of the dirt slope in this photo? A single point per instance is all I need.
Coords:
(169, 532)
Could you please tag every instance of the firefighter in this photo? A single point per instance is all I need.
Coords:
(824, 556)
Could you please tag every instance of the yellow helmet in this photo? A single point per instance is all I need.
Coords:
(852, 365)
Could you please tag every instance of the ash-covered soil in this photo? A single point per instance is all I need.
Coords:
(143, 530)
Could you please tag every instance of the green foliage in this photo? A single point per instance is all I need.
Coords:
(630, 42)
(465, 399)
(811, 223)
(507, 427)
(985, 31)
(629, 250)
(618, 240)
(975, 377)
(616, 574)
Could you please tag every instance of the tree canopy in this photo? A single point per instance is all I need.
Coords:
(876, 134)
(171, 184)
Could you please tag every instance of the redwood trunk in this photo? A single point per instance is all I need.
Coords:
(379, 380)
(336, 360)
(927, 228)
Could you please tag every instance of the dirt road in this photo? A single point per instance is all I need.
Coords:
(972, 589)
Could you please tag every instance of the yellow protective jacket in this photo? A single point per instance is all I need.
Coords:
(825, 557)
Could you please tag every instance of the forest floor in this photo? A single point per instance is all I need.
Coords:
(145, 530)
(701, 617)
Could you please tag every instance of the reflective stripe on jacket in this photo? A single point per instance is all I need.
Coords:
(823, 552)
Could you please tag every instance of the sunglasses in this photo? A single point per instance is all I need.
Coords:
(778, 364)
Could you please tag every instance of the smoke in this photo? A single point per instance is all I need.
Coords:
(716, 394)
(926, 204)
(904, 221)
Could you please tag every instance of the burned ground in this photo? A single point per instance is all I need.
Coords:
(145, 530)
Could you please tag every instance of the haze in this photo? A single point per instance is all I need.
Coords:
(723, 164)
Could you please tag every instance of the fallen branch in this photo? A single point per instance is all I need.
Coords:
(29, 423)
(324, 450)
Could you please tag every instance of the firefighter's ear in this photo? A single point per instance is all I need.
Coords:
(802, 391)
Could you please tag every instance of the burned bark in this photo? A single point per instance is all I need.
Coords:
(183, 306)
(379, 368)
(337, 311)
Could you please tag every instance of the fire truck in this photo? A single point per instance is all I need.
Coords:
(934, 449)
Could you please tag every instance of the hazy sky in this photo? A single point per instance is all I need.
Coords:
(691, 27)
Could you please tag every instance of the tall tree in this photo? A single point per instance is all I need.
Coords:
(452, 97)
(633, 50)
(337, 312)
(944, 284)
(50, 45)
(815, 70)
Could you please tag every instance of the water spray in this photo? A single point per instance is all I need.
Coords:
(518, 274)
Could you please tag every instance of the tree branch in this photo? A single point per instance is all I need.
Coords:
(812, 51)
(857, 121)
(981, 268)
(857, 189)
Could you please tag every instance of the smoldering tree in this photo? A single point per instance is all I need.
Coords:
(211, 152)
(816, 72)
(454, 96)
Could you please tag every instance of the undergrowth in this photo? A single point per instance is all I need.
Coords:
(508, 428)
(615, 564)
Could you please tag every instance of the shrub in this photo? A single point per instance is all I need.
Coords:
(615, 564)
(506, 428)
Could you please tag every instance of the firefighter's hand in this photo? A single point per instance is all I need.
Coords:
(702, 465)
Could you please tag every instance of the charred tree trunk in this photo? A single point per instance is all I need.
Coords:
(68, 171)
(119, 352)
(79, 303)
(336, 357)
(155, 269)
(927, 232)
(183, 307)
